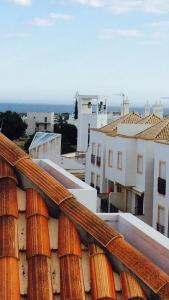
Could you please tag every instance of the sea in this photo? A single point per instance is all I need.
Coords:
(57, 108)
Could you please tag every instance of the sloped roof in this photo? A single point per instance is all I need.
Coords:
(150, 119)
(42, 137)
(94, 229)
(127, 119)
(159, 131)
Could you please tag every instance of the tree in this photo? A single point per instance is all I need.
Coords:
(12, 125)
(28, 142)
(76, 110)
(69, 136)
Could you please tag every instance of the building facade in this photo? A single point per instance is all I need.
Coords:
(39, 121)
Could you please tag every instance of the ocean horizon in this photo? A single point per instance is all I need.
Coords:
(58, 108)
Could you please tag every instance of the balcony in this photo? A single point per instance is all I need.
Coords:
(98, 189)
(93, 157)
(161, 186)
(98, 161)
(160, 228)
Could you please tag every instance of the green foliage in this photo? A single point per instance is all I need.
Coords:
(69, 136)
(76, 110)
(12, 125)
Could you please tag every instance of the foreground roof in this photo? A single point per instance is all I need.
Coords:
(99, 238)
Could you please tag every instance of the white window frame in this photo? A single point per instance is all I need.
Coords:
(110, 158)
(119, 160)
(140, 164)
(162, 163)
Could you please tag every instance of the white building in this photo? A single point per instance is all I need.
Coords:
(161, 187)
(92, 113)
(39, 121)
(96, 155)
(126, 174)
(46, 145)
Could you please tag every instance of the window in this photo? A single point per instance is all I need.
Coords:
(162, 169)
(118, 188)
(92, 179)
(93, 148)
(45, 127)
(45, 119)
(162, 178)
(161, 219)
(99, 150)
(139, 199)
(98, 155)
(110, 158)
(119, 160)
(139, 164)
(88, 134)
(98, 183)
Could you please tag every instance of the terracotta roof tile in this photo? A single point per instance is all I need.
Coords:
(102, 280)
(37, 227)
(9, 266)
(69, 251)
(68, 238)
(39, 278)
(8, 196)
(6, 171)
(9, 279)
(35, 205)
(130, 287)
(72, 284)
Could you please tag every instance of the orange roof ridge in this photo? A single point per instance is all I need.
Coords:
(141, 266)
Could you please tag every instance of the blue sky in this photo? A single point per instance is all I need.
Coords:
(52, 48)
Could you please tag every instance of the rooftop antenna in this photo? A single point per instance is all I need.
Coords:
(123, 97)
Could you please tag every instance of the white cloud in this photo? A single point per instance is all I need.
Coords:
(108, 34)
(122, 6)
(44, 22)
(149, 43)
(51, 19)
(22, 2)
(20, 35)
(162, 24)
(63, 17)
(160, 35)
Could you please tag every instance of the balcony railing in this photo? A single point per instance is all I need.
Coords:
(161, 186)
(93, 157)
(98, 161)
(160, 228)
(98, 189)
